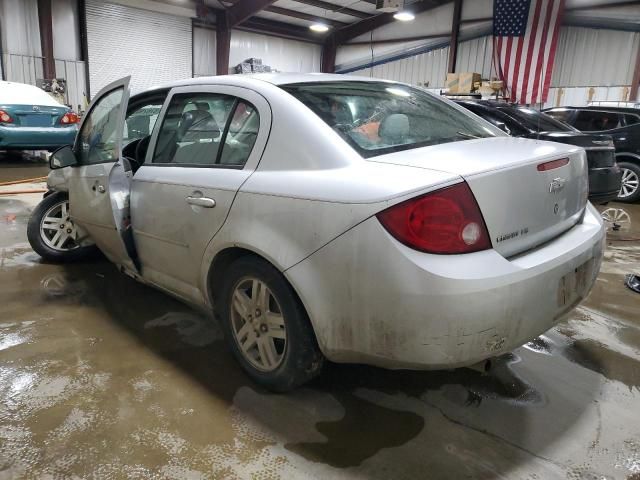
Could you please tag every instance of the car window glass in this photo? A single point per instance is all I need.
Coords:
(562, 115)
(595, 121)
(376, 118)
(96, 141)
(192, 129)
(242, 134)
(496, 120)
(537, 121)
(140, 122)
(630, 119)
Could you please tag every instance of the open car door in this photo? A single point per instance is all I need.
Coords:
(99, 183)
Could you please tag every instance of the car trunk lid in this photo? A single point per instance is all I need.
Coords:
(525, 199)
(599, 148)
(38, 115)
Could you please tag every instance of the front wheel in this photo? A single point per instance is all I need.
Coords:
(53, 235)
(266, 326)
(630, 185)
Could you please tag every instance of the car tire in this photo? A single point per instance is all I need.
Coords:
(630, 175)
(42, 238)
(266, 327)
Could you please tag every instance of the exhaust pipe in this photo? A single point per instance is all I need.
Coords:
(483, 367)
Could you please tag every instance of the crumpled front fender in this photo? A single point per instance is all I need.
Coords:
(58, 180)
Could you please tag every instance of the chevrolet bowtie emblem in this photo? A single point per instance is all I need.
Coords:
(556, 185)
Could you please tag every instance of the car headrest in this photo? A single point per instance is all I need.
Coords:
(203, 106)
(196, 120)
(394, 128)
(342, 114)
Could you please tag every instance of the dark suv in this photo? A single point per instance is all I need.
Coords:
(623, 124)
(519, 121)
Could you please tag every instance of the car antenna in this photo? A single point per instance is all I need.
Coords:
(541, 91)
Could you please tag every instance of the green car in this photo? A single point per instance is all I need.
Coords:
(30, 119)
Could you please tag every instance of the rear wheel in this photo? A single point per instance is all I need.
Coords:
(630, 186)
(266, 327)
(53, 235)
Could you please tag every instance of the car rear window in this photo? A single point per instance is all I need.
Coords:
(22, 94)
(376, 118)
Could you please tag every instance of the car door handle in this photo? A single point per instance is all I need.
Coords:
(201, 201)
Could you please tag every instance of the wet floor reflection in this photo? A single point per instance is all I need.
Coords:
(101, 376)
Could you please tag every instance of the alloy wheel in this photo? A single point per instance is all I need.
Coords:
(258, 324)
(57, 230)
(630, 183)
(615, 215)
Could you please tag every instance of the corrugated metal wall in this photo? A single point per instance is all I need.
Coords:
(588, 56)
(154, 48)
(279, 53)
(204, 52)
(426, 69)
(584, 59)
(475, 56)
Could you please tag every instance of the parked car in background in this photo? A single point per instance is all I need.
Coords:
(328, 216)
(623, 124)
(520, 121)
(31, 119)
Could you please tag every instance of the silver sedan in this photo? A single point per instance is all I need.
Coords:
(328, 217)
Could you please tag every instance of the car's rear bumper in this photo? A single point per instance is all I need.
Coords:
(604, 183)
(373, 300)
(36, 138)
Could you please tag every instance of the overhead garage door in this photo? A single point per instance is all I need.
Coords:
(153, 48)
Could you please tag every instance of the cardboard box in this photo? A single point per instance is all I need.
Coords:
(451, 83)
(467, 81)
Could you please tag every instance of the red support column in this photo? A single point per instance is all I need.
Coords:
(223, 44)
(328, 58)
(635, 82)
(455, 29)
(46, 38)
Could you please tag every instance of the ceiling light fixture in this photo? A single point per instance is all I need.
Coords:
(404, 16)
(319, 27)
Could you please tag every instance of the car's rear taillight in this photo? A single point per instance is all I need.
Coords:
(5, 117)
(446, 221)
(69, 118)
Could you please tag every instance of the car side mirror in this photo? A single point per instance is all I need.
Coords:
(503, 126)
(62, 157)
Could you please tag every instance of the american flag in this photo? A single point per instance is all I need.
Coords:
(525, 34)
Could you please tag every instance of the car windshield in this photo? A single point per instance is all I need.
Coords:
(378, 117)
(537, 121)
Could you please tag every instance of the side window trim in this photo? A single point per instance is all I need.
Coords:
(221, 145)
(223, 137)
(241, 93)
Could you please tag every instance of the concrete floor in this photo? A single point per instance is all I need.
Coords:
(101, 377)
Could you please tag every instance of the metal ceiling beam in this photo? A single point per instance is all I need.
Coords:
(280, 29)
(366, 25)
(244, 10)
(356, 29)
(305, 16)
(334, 8)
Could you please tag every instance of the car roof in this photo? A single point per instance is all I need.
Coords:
(601, 108)
(489, 103)
(260, 78)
